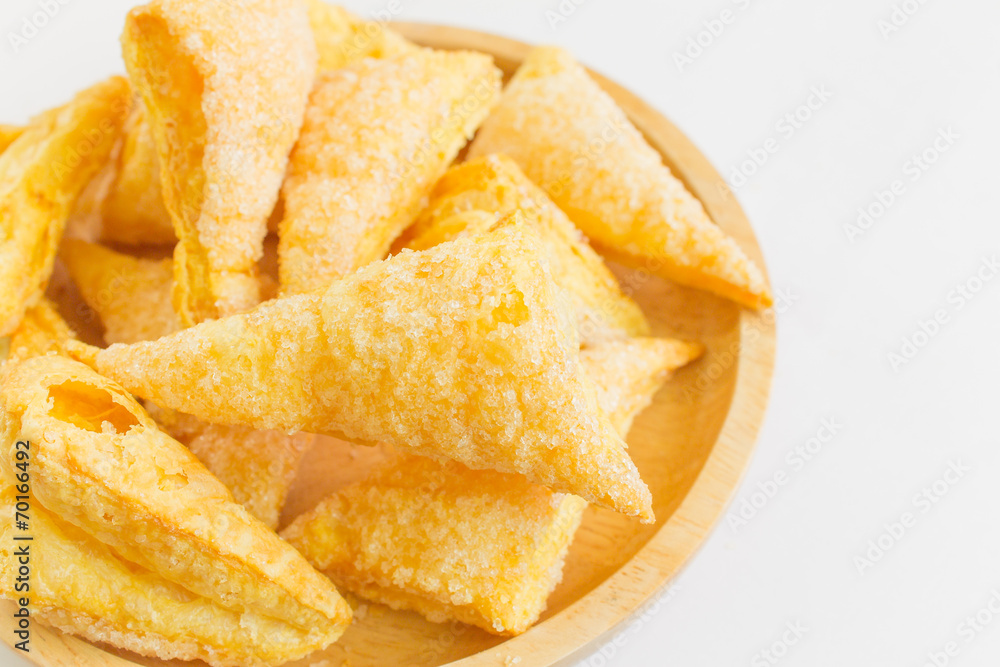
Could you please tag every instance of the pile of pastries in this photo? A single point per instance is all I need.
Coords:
(269, 220)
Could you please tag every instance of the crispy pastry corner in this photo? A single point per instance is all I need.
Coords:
(571, 138)
(225, 86)
(42, 173)
(166, 538)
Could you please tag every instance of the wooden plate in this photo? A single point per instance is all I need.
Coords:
(691, 446)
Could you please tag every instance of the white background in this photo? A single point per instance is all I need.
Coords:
(853, 302)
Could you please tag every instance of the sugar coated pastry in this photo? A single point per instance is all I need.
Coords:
(476, 546)
(42, 330)
(132, 211)
(225, 86)
(42, 172)
(257, 466)
(131, 295)
(343, 38)
(628, 373)
(377, 135)
(466, 351)
(8, 133)
(495, 184)
(132, 298)
(571, 138)
(82, 587)
(100, 465)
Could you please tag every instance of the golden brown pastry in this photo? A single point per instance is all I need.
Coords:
(477, 546)
(8, 133)
(42, 173)
(257, 466)
(571, 138)
(225, 86)
(377, 135)
(465, 351)
(132, 298)
(99, 464)
(82, 587)
(131, 295)
(133, 212)
(42, 330)
(628, 373)
(494, 184)
(342, 38)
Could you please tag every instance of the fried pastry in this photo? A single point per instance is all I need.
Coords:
(377, 135)
(132, 298)
(628, 373)
(342, 38)
(41, 175)
(8, 133)
(257, 466)
(132, 211)
(82, 587)
(131, 295)
(225, 86)
(465, 351)
(99, 462)
(477, 546)
(571, 138)
(42, 330)
(495, 184)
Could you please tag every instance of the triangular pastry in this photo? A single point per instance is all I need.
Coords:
(343, 38)
(131, 295)
(495, 184)
(99, 462)
(82, 587)
(225, 86)
(628, 373)
(257, 466)
(465, 351)
(42, 173)
(42, 330)
(132, 211)
(132, 298)
(8, 133)
(476, 546)
(571, 138)
(377, 135)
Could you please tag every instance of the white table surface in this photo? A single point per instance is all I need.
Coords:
(881, 93)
